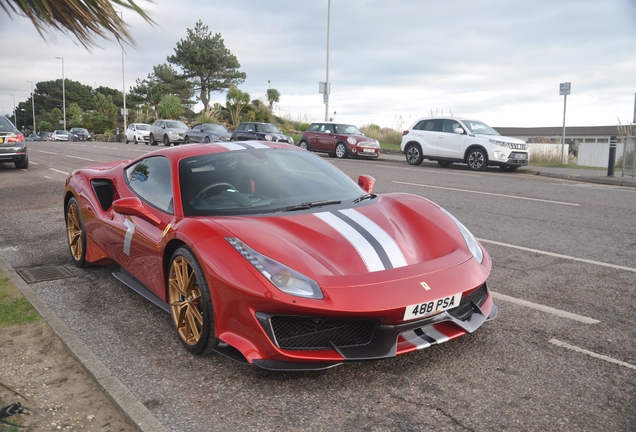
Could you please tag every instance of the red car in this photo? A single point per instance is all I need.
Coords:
(339, 140)
(270, 255)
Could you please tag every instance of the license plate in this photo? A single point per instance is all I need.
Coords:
(1, 140)
(520, 156)
(429, 308)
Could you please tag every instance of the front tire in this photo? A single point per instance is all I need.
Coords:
(303, 145)
(414, 154)
(190, 303)
(166, 141)
(75, 233)
(152, 140)
(341, 151)
(477, 160)
(186, 140)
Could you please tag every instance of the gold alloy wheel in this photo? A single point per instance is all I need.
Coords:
(74, 232)
(185, 301)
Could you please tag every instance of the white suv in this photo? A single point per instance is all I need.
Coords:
(447, 140)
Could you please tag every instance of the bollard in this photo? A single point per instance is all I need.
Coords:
(612, 157)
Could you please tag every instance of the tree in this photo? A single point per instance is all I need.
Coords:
(235, 102)
(163, 81)
(273, 96)
(170, 107)
(87, 19)
(206, 62)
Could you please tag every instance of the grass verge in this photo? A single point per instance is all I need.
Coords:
(14, 308)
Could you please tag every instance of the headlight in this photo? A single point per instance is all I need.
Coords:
(282, 277)
(268, 137)
(173, 133)
(501, 143)
(470, 240)
(290, 140)
(351, 140)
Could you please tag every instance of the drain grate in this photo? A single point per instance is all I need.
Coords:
(40, 274)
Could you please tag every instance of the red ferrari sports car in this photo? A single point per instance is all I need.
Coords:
(268, 254)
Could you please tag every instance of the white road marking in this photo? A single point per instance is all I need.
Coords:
(79, 145)
(591, 354)
(140, 151)
(58, 171)
(487, 193)
(542, 308)
(596, 186)
(430, 171)
(33, 163)
(556, 255)
(77, 157)
(47, 177)
(109, 148)
(47, 152)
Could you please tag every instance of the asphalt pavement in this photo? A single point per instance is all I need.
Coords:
(135, 411)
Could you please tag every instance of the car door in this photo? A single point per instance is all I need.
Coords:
(427, 133)
(325, 139)
(313, 135)
(135, 242)
(248, 133)
(196, 134)
(449, 143)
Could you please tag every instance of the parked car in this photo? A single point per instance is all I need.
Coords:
(79, 134)
(270, 255)
(448, 140)
(339, 140)
(247, 131)
(138, 132)
(207, 132)
(46, 136)
(34, 137)
(168, 132)
(13, 147)
(60, 135)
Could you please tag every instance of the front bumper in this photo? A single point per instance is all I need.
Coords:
(385, 340)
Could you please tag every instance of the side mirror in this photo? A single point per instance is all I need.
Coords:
(459, 130)
(250, 130)
(132, 206)
(328, 131)
(366, 182)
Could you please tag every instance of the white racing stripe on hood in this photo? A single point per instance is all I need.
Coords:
(376, 248)
(242, 145)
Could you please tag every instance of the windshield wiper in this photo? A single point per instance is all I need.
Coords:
(306, 205)
(363, 197)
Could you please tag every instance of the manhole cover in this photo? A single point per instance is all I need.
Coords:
(39, 274)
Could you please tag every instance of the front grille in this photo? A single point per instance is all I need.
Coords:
(310, 333)
(465, 309)
(516, 146)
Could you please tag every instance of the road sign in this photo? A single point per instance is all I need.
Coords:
(325, 98)
(564, 89)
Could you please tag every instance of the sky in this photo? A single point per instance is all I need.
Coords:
(390, 63)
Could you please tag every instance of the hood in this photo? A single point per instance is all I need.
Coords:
(397, 233)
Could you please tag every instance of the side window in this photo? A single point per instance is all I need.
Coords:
(433, 125)
(150, 179)
(240, 127)
(314, 127)
(451, 125)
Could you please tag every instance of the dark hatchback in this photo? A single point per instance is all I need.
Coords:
(13, 147)
(248, 131)
(79, 134)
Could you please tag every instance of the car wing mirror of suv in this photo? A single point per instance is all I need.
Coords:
(459, 131)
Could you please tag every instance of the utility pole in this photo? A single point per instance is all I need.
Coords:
(33, 106)
(564, 90)
(327, 86)
(63, 91)
(123, 79)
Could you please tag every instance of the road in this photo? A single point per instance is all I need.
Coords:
(560, 356)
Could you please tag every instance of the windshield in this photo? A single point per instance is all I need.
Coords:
(143, 127)
(478, 127)
(257, 181)
(214, 127)
(348, 130)
(61, 132)
(176, 124)
(267, 128)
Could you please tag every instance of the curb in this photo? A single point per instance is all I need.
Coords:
(133, 411)
(599, 180)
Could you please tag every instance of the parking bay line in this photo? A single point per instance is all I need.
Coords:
(547, 309)
(556, 255)
(47, 152)
(487, 193)
(591, 354)
(58, 171)
(77, 157)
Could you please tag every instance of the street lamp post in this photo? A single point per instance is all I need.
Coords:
(327, 86)
(123, 81)
(33, 105)
(63, 92)
(15, 119)
(24, 125)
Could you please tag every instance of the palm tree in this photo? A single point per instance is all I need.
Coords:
(87, 19)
